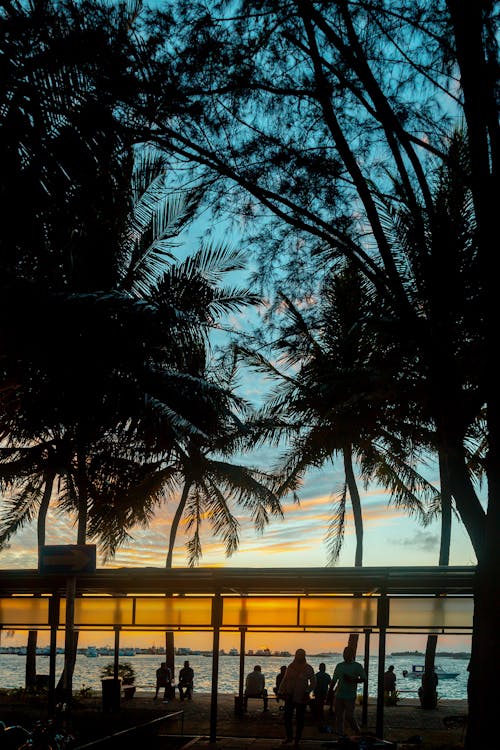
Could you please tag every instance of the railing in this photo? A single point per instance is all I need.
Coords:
(132, 733)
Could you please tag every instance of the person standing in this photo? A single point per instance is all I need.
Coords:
(295, 688)
(323, 681)
(255, 687)
(186, 678)
(348, 674)
(390, 682)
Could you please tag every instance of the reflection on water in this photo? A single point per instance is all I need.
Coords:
(87, 671)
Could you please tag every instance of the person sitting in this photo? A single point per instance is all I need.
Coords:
(163, 678)
(255, 687)
(186, 678)
(279, 677)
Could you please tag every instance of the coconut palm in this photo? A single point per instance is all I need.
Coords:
(331, 399)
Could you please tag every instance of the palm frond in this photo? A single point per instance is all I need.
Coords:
(336, 528)
(20, 508)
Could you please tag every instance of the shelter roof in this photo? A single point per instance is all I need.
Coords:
(412, 580)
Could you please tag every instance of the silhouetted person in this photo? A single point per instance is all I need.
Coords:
(255, 687)
(295, 688)
(323, 681)
(279, 677)
(186, 679)
(390, 682)
(347, 674)
(163, 678)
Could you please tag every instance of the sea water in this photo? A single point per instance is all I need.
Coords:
(88, 671)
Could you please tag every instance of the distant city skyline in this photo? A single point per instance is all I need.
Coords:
(313, 643)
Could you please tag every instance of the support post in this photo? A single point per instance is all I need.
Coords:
(116, 652)
(54, 624)
(239, 702)
(364, 710)
(382, 623)
(69, 641)
(216, 622)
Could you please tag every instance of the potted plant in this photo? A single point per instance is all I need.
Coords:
(391, 698)
(126, 673)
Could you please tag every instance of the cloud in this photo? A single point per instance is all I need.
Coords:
(421, 540)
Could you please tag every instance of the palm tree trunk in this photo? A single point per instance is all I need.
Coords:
(30, 676)
(355, 502)
(358, 523)
(82, 498)
(429, 697)
(176, 521)
(169, 635)
(64, 686)
(444, 549)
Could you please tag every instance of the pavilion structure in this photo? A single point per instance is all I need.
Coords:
(376, 600)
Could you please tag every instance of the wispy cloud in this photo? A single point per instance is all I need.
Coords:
(421, 540)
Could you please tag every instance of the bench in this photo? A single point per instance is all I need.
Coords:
(239, 702)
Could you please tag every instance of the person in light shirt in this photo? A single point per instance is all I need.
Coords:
(255, 687)
(348, 674)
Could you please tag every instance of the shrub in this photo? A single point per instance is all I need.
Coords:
(391, 699)
(125, 671)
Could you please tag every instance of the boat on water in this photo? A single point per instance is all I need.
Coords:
(417, 671)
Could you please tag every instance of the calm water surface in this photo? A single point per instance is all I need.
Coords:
(87, 671)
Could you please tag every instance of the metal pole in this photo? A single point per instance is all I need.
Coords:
(216, 622)
(382, 622)
(364, 712)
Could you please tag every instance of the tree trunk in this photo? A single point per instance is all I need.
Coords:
(65, 684)
(356, 504)
(169, 634)
(358, 524)
(446, 505)
(485, 657)
(353, 642)
(30, 677)
(428, 696)
(473, 28)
